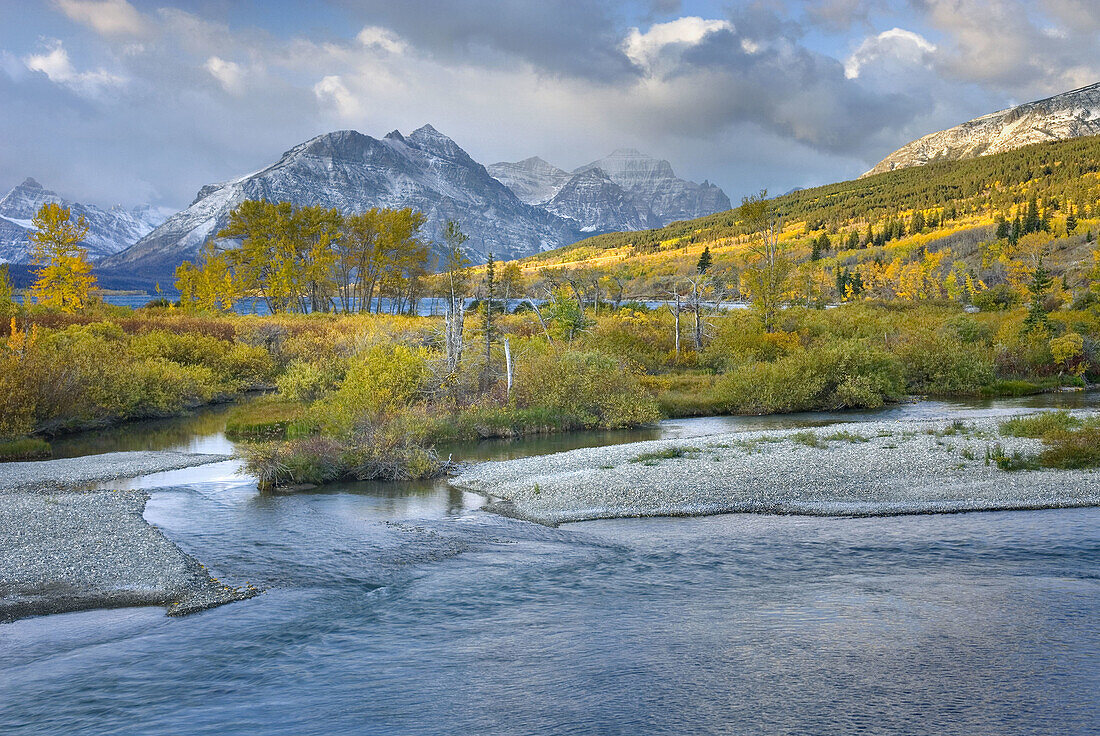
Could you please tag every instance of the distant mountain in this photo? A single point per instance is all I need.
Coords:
(353, 172)
(532, 180)
(1068, 115)
(109, 231)
(654, 195)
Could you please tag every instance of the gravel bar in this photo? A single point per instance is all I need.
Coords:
(74, 551)
(855, 469)
(65, 549)
(74, 472)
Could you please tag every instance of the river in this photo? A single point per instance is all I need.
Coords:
(404, 609)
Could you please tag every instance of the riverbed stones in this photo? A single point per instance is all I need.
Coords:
(74, 472)
(856, 469)
(79, 550)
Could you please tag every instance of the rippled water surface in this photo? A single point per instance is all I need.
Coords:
(406, 610)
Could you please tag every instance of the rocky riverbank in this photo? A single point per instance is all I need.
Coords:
(857, 469)
(65, 549)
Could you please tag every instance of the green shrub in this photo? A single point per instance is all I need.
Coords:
(942, 365)
(1079, 448)
(847, 375)
(27, 448)
(586, 389)
(309, 381)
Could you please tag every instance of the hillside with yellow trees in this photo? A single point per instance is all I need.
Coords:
(970, 231)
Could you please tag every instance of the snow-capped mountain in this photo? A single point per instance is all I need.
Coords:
(109, 231)
(1068, 115)
(353, 172)
(654, 195)
(532, 180)
(597, 204)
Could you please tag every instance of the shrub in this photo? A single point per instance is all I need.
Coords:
(847, 375)
(939, 364)
(1072, 449)
(586, 389)
(308, 380)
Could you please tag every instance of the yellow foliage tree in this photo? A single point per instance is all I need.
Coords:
(64, 276)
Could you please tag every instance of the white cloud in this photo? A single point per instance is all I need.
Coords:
(228, 73)
(332, 90)
(646, 49)
(382, 38)
(896, 44)
(107, 17)
(57, 66)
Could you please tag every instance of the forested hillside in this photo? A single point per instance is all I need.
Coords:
(988, 220)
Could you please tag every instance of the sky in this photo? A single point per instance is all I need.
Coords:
(128, 102)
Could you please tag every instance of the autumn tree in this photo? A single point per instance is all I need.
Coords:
(7, 293)
(63, 277)
(767, 281)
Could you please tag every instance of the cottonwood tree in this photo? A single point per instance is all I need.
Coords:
(63, 277)
(767, 281)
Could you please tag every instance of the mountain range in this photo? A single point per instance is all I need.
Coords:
(627, 190)
(109, 231)
(1068, 115)
(538, 209)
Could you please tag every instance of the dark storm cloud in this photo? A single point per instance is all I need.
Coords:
(578, 38)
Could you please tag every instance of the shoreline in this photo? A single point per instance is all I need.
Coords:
(859, 469)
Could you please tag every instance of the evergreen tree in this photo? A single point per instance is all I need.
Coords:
(1041, 280)
(1004, 230)
(705, 260)
(1031, 222)
(1071, 221)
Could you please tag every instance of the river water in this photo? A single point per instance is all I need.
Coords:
(403, 609)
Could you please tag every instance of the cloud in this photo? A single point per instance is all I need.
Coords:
(106, 17)
(228, 73)
(332, 91)
(381, 38)
(895, 44)
(57, 66)
(646, 49)
(1027, 49)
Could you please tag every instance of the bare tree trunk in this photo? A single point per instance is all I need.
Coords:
(508, 366)
(542, 321)
(677, 314)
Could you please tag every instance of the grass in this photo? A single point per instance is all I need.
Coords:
(809, 439)
(670, 453)
(846, 436)
(28, 448)
(996, 455)
(1038, 426)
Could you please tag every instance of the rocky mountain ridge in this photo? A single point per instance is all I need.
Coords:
(1068, 115)
(109, 231)
(644, 191)
(353, 172)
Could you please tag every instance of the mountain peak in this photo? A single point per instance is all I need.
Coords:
(394, 135)
(31, 183)
(1067, 115)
